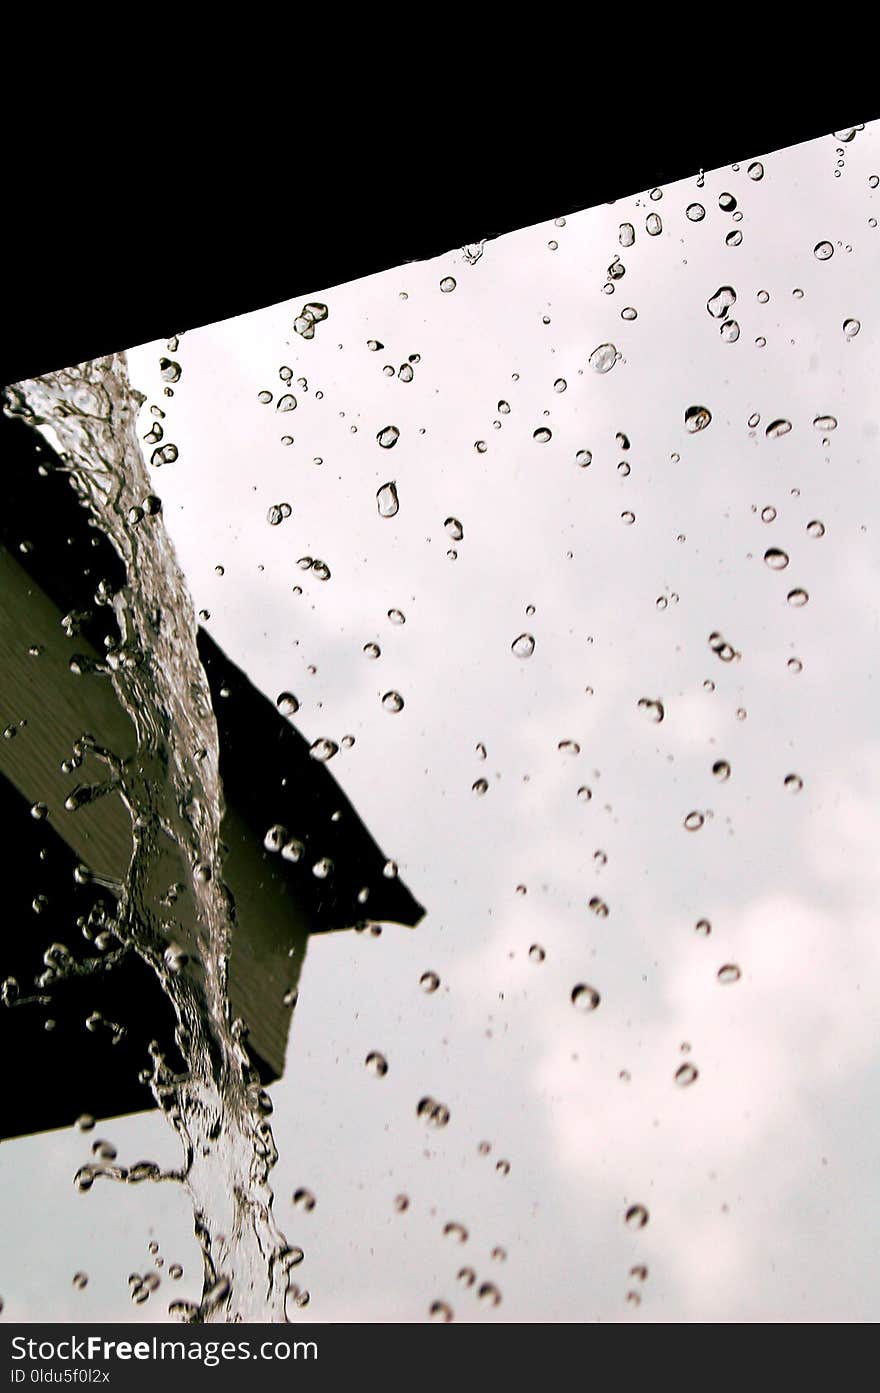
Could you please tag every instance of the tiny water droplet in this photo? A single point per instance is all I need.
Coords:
(304, 1200)
(372, 650)
(441, 1312)
(703, 928)
(721, 770)
(536, 953)
(729, 973)
(397, 616)
(768, 514)
(429, 982)
(793, 782)
(851, 327)
(480, 787)
(798, 598)
(686, 1074)
(376, 1064)
(694, 821)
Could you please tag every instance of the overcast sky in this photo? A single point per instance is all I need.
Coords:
(760, 1176)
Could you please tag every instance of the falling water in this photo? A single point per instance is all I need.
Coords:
(172, 791)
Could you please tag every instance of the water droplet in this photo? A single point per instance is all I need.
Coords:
(286, 403)
(776, 559)
(719, 303)
(584, 794)
(599, 907)
(825, 423)
(793, 782)
(729, 331)
(703, 928)
(536, 953)
(569, 747)
(489, 1294)
(542, 435)
(392, 701)
(432, 1113)
(376, 1064)
(389, 870)
(755, 170)
(304, 1200)
(287, 703)
(322, 868)
(798, 598)
(603, 358)
(584, 458)
(686, 1074)
(523, 646)
(823, 251)
(733, 239)
(456, 1231)
(401, 1203)
(653, 224)
(768, 514)
(429, 982)
(441, 1312)
(695, 212)
(777, 428)
(397, 616)
(388, 436)
(405, 372)
(721, 770)
(585, 998)
(694, 821)
(636, 1217)
(726, 202)
(323, 749)
(387, 500)
(729, 973)
(80, 1280)
(372, 650)
(628, 518)
(466, 1276)
(502, 1167)
(653, 709)
(697, 418)
(626, 234)
(480, 787)
(447, 285)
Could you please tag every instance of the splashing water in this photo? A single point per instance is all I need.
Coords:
(217, 1106)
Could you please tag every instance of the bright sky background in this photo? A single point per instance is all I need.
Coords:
(761, 1177)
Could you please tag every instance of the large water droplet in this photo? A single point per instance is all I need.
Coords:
(542, 435)
(695, 212)
(755, 170)
(392, 701)
(825, 423)
(287, 704)
(323, 750)
(697, 418)
(686, 1074)
(447, 285)
(653, 709)
(719, 303)
(603, 358)
(653, 224)
(777, 428)
(776, 559)
(387, 500)
(626, 234)
(823, 251)
(523, 646)
(585, 998)
(388, 436)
